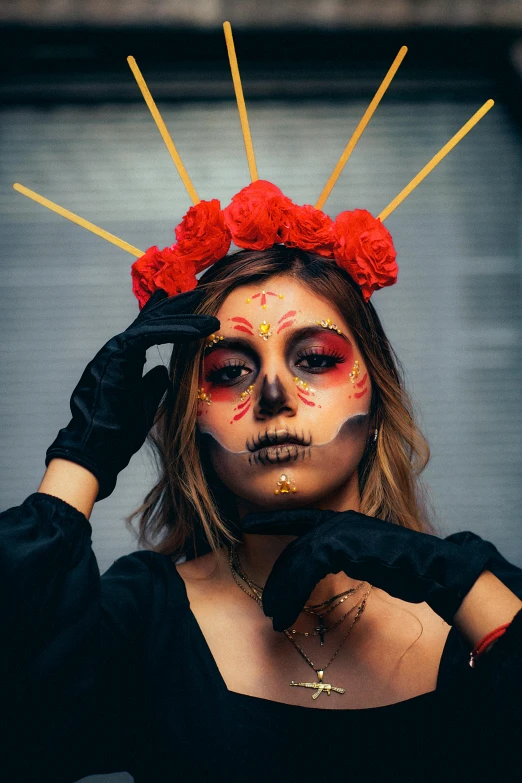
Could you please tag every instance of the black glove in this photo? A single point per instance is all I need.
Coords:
(413, 566)
(113, 406)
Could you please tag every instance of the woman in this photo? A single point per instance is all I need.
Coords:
(315, 626)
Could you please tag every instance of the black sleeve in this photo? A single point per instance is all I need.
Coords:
(71, 646)
(496, 680)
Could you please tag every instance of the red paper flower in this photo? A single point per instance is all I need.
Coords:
(309, 229)
(202, 235)
(256, 216)
(364, 248)
(178, 274)
(143, 271)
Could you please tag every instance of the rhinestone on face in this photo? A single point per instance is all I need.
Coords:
(213, 339)
(264, 330)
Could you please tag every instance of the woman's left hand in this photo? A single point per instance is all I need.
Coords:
(407, 564)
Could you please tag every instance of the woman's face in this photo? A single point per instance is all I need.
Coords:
(288, 417)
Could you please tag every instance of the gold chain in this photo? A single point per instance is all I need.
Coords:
(257, 596)
(257, 592)
(309, 609)
(360, 610)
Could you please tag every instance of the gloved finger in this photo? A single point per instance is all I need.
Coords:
(290, 584)
(156, 297)
(168, 328)
(154, 385)
(293, 522)
(179, 303)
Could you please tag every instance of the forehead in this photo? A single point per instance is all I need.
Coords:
(276, 297)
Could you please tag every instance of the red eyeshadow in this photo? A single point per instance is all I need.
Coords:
(223, 394)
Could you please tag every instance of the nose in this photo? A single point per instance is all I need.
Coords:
(273, 399)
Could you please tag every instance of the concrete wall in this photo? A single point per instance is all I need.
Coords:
(322, 13)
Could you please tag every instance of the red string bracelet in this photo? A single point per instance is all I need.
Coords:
(484, 643)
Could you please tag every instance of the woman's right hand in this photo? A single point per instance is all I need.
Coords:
(113, 406)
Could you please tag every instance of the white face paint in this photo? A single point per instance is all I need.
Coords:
(288, 396)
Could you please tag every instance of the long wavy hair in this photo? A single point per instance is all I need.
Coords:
(189, 511)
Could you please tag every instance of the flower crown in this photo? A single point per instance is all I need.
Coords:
(260, 216)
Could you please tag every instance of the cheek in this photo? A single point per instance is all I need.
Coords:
(337, 389)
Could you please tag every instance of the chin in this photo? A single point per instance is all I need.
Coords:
(289, 489)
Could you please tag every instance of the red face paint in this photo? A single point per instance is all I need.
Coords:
(306, 402)
(289, 314)
(361, 383)
(263, 295)
(358, 395)
(242, 413)
(327, 345)
(288, 319)
(242, 325)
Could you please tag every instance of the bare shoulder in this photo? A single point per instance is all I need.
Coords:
(206, 568)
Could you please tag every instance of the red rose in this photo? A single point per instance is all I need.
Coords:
(202, 234)
(178, 273)
(143, 271)
(256, 216)
(309, 229)
(364, 248)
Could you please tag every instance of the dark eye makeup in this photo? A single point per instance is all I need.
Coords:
(318, 359)
(314, 360)
(228, 372)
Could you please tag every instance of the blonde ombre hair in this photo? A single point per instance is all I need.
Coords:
(189, 511)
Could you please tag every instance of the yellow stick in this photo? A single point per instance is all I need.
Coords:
(436, 159)
(243, 118)
(77, 219)
(149, 100)
(361, 127)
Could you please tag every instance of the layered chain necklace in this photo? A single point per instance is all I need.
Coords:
(256, 592)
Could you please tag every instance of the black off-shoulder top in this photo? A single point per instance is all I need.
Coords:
(113, 673)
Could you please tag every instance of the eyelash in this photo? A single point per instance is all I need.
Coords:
(324, 353)
(215, 374)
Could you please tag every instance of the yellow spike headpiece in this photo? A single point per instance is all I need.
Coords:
(355, 240)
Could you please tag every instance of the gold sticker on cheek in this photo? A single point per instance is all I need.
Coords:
(203, 396)
(354, 372)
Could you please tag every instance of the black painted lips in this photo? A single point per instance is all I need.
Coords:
(278, 446)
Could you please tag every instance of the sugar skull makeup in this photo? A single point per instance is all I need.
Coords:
(291, 403)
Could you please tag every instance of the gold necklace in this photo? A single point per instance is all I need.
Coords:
(321, 628)
(319, 686)
(310, 608)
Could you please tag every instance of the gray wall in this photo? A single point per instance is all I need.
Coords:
(326, 13)
(454, 316)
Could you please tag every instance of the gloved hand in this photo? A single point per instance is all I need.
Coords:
(407, 564)
(113, 406)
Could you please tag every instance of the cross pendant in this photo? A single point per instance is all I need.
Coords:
(320, 686)
(321, 628)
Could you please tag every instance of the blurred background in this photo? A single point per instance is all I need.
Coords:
(75, 128)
